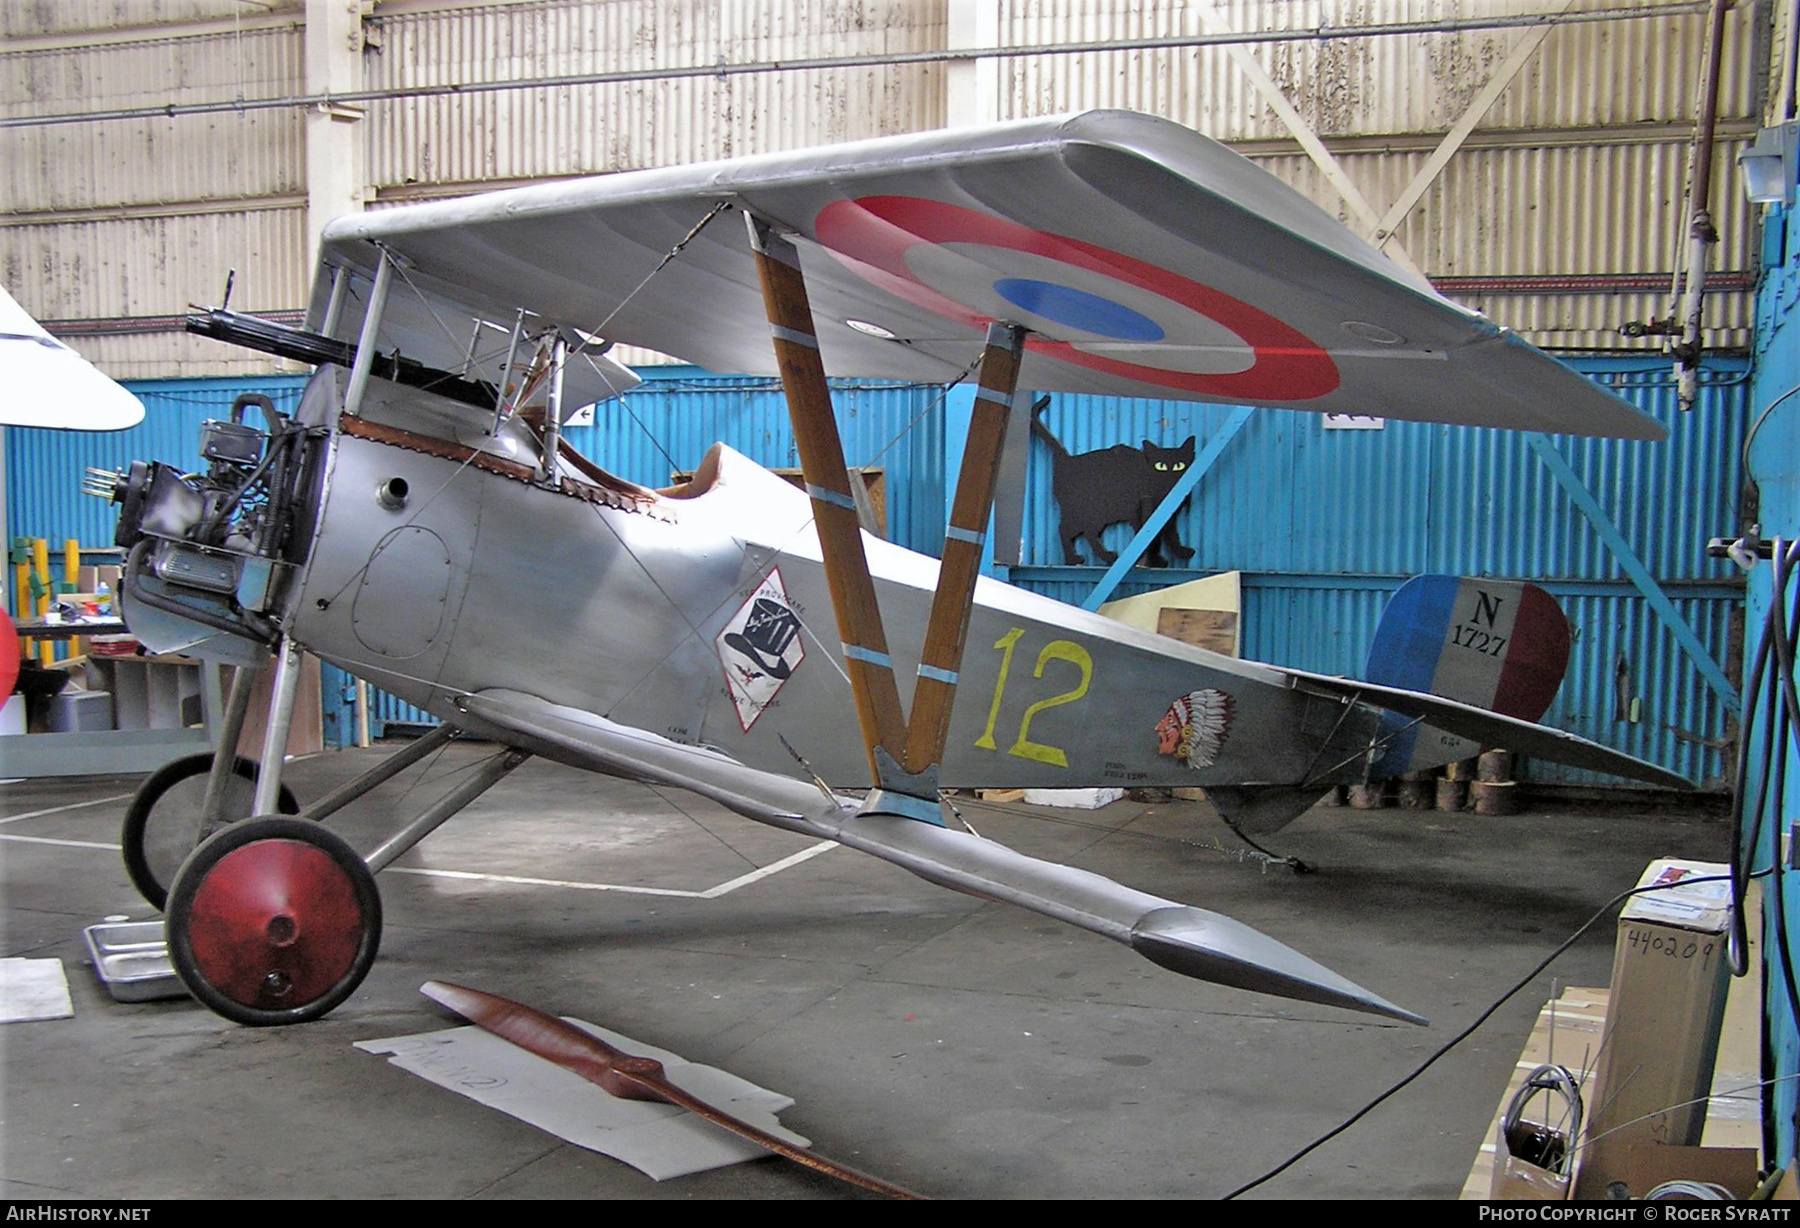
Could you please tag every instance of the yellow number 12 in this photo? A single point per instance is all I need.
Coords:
(1055, 650)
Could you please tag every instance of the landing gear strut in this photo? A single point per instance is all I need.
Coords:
(276, 920)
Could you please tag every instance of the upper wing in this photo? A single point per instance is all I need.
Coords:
(48, 384)
(1146, 259)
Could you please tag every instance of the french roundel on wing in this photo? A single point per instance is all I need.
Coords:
(1085, 305)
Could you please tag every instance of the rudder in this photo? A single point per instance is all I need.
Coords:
(1502, 645)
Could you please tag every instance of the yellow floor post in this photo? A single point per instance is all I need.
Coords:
(40, 560)
(22, 599)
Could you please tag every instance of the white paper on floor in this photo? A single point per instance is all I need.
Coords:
(1074, 799)
(660, 1140)
(34, 989)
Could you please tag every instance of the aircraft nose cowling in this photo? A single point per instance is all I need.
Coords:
(1212, 947)
(211, 553)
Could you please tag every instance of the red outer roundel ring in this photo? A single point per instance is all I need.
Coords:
(275, 924)
(872, 234)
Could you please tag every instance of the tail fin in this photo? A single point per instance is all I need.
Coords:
(1502, 645)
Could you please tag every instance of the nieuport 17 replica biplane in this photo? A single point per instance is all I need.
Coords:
(742, 639)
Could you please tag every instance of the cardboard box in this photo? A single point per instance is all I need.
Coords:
(1517, 1180)
(81, 712)
(1648, 1165)
(1655, 1065)
(1568, 1034)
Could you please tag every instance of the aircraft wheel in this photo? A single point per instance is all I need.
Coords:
(273, 920)
(162, 824)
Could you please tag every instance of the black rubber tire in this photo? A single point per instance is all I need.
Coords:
(273, 921)
(151, 836)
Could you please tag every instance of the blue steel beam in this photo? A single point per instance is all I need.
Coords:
(1634, 568)
(1184, 486)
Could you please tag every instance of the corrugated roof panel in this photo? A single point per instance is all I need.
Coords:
(57, 17)
(151, 162)
(1558, 270)
(1407, 83)
(583, 129)
(108, 268)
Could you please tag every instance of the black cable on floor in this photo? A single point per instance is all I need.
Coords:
(1470, 1030)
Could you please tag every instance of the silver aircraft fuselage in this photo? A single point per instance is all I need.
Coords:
(636, 610)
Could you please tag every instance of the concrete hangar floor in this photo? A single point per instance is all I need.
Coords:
(961, 1048)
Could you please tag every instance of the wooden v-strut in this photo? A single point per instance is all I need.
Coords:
(947, 632)
(903, 754)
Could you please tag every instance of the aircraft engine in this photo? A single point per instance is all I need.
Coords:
(210, 554)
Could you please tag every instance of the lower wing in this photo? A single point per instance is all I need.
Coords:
(1191, 941)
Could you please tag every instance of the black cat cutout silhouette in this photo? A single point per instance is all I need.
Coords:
(1115, 485)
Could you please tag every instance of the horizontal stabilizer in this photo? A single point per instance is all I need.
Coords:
(1192, 941)
(1493, 729)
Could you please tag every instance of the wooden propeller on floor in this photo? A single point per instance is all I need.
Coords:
(622, 1074)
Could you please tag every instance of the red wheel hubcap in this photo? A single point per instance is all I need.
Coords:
(276, 924)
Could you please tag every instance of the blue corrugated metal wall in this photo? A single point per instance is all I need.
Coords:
(1326, 524)
(44, 468)
(1290, 497)
(1775, 467)
(668, 423)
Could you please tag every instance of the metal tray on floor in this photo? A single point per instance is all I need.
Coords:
(132, 960)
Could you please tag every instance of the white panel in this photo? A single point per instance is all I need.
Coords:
(1403, 83)
(584, 129)
(156, 266)
(1542, 188)
(36, 18)
(83, 165)
(1585, 211)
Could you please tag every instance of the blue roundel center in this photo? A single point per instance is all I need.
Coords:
(1078, 309)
